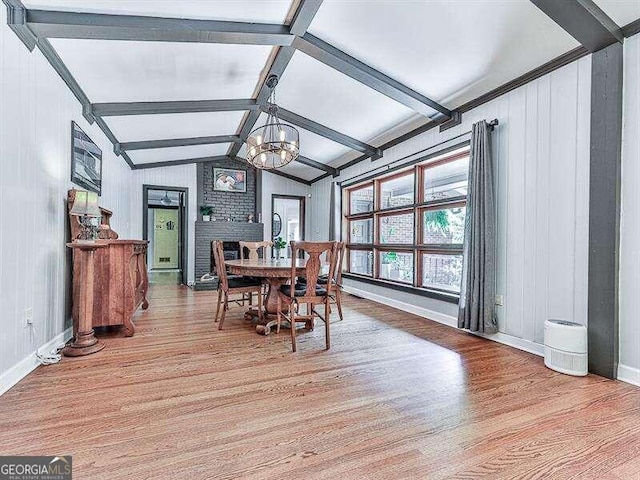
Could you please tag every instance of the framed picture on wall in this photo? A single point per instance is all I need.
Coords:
(228, 180)
(86, 161)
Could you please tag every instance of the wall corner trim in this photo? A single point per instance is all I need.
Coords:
(28, 364)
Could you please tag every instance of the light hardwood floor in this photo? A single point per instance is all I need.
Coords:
(396, 397)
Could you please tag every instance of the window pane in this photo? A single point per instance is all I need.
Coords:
(361, 262)
(396, 266)
(396, 192)
(396, 229)
(442, 271)
(444, 226)
(446, 180)
(361, 231)
(361, 200)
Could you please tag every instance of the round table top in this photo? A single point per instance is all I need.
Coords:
(265, 267)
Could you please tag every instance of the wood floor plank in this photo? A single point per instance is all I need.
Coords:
(396, 397)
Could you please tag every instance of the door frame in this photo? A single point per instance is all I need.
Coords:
(184, 223)
(303, 220)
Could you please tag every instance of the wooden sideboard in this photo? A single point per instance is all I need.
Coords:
(120, 281)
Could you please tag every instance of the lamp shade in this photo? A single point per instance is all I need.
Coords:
(86, 204)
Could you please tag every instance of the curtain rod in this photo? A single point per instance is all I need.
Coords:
(492, 124)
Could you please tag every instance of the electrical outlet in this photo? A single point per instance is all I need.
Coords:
(28, 317)
(500, 300)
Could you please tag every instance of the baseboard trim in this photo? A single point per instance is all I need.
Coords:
(27, 365)
(405, 307)
(629, 374)
(448, 320)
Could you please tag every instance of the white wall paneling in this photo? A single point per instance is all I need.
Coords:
(35, 155)
(541, 150)
(629, 363)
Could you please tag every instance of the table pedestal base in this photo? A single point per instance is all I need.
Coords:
(269, 321)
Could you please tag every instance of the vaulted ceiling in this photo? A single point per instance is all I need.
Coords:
(352, 74)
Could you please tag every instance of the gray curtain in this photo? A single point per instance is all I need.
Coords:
(335, 212)
(477, 294)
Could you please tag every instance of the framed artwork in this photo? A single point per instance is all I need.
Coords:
(228, 180)
(86, 161)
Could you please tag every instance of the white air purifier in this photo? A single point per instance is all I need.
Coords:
(565, 347)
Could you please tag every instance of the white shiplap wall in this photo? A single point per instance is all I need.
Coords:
(36, 110)
(541, 150)
(175, 176)
(629, 365)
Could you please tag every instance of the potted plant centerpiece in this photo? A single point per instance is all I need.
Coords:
(206, 212)
(278, 245)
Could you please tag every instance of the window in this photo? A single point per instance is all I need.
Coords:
(361, 200)
(397, 191)
(408, 227)
(396, 229)
(361, 262)
(361, 231)
(396, 266)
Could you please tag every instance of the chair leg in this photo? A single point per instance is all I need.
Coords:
(250, 298)
(279, 315)
(260, 312)
(292, 317)
(327, 323)
(339, 302)
(224, 310)
(219, 302)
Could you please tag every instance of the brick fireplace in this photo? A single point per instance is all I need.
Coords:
(228, 232)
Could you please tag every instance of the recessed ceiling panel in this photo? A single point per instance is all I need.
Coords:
(312, 146)
(448, 51)
(177, 153)
(124, 71)
(320, 93)
(259, 11)
(621, 11)
(301, 171)
(176, 125)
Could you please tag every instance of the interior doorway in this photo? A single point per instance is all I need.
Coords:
(164, 225)
(287, 220)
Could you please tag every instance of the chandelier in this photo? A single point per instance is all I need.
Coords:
(274, 144)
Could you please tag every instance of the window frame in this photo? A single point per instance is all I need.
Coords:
(417, 247)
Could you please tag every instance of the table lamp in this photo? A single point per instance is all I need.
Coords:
(85, 206)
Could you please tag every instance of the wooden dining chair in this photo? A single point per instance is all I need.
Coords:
(334, 286)
(229, 286)
(310, 293)
(253, 249)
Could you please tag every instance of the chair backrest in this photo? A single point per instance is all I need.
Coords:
(253, 248)
(221, 268)
(339, 262)
(314, 251)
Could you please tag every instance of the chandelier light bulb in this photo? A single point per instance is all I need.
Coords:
(282, 135)
(283, 154)
(259, 140)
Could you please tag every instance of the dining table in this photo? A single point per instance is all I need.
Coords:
(276, 272)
